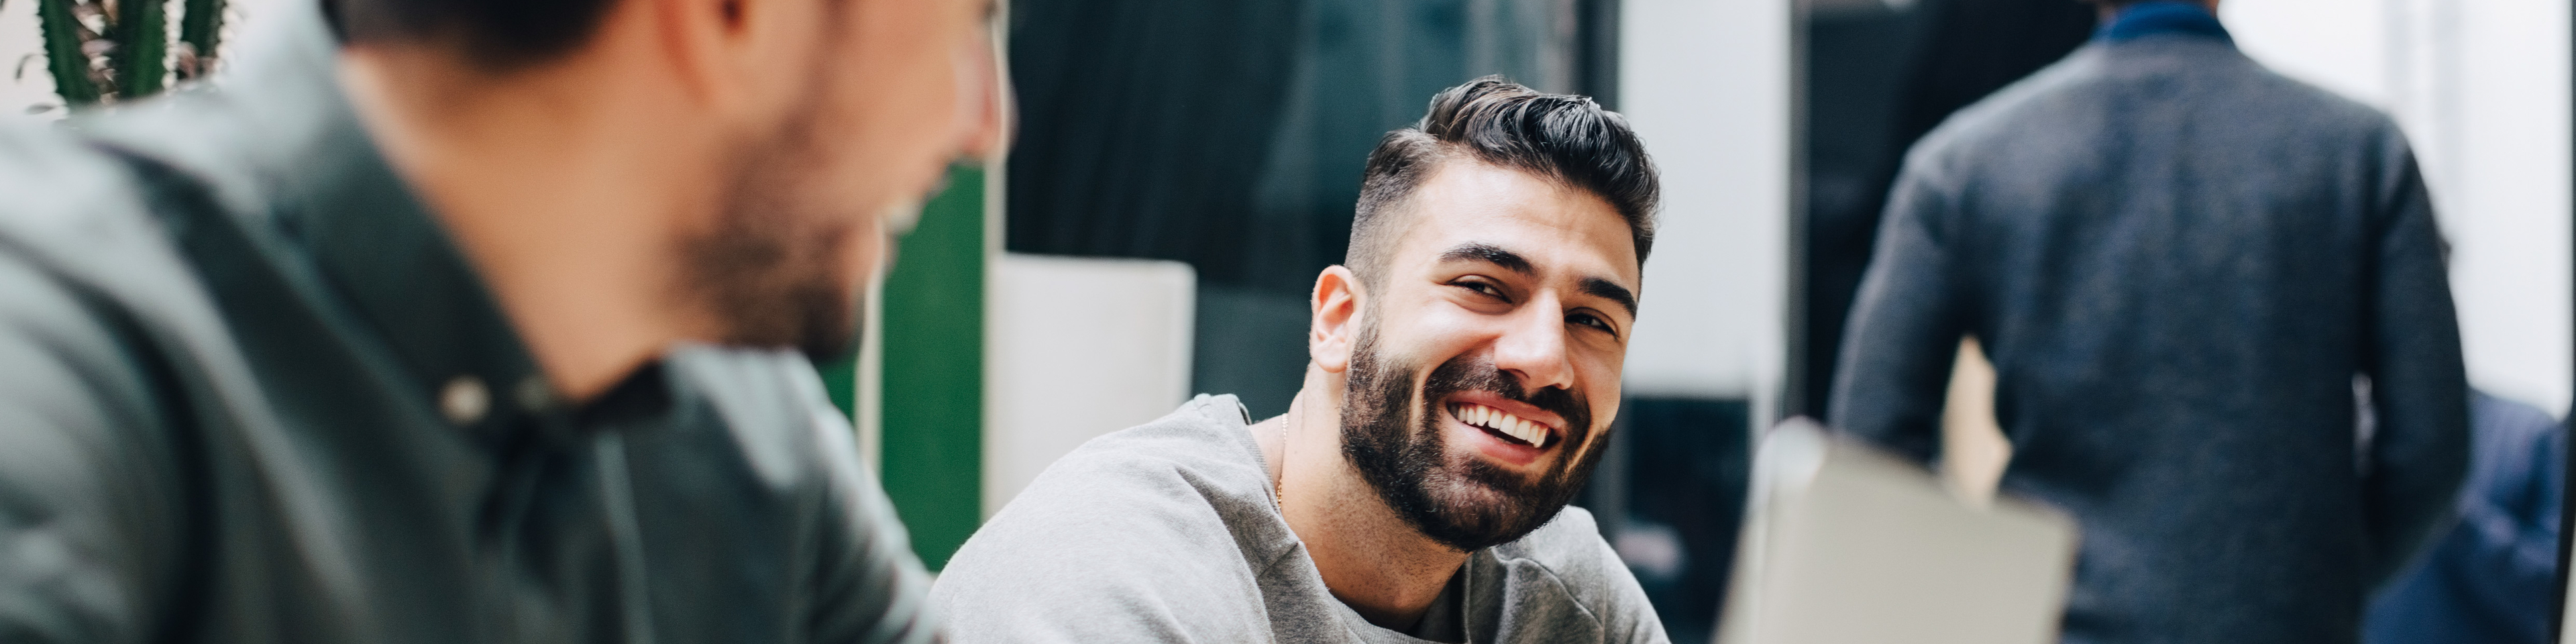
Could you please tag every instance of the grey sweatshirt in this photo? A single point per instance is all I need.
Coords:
(1170, 532)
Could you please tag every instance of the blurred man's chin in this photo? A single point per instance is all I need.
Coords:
(835, 340)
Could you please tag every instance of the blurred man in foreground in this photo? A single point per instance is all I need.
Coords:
(475, 326)
(1465, 369)
(2183, 267)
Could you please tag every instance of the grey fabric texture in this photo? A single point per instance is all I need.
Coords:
(235, 365)
(1169, 532)
(2179, 263)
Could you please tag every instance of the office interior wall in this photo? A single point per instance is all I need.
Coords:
(2481, 89)
(1080, 347)
(1706, 83)
(27, 92)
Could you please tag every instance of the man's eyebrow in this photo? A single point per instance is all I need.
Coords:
(1511, 261)
(1490, 254)
(1598, 287)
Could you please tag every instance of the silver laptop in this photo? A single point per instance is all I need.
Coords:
(1846, 545)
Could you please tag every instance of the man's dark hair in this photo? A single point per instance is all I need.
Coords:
(1567, 139)
(495, 34)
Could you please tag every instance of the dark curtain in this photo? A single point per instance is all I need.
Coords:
(1143, 125)
(1230, 134)
(1877, 80)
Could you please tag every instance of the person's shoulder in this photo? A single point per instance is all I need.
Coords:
(67, 200)
(1569, 564)
(2027, 102)
(89, 401)
(1156, 532)
(1207, 435)
(1193, 468)
(90, 286)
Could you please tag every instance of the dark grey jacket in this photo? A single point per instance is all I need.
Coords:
(250, 393)
(2179, 262)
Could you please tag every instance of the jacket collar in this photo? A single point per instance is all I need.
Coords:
(2161, 17)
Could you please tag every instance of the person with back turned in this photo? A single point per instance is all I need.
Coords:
(474, 321)
(2185, 268)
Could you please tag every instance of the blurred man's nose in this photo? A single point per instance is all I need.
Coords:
(985, 104)
(1533, 347)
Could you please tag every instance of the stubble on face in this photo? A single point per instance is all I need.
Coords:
(1391, 434)
(768, 270)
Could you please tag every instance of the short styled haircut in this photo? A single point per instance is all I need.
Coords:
(1564, 138)
(495, 34)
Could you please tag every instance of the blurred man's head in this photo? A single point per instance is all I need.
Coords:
(1497, 249)
(794, 135)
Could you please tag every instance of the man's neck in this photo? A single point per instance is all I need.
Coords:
(1369, 557)
(563, 218)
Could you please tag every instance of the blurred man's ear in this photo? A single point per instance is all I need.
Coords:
(738, 55)
(1336, 323)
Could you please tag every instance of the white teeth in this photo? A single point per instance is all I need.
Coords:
(1526, 430)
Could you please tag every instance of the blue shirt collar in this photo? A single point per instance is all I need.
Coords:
(2162, 17)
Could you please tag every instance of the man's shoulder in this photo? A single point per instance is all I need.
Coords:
(1568, 585)
(1193, 469)
(1571, 543)
(93, 280)
(2097, 89)
(1150, 532)
(1569, 549)
(101, 329)
(68, 202)
(1207, 435)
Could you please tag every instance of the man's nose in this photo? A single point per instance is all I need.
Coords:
(1533, 347)
(989, 96)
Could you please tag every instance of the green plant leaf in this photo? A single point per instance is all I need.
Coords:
(63, 54)
(201, 26)
(142, 35)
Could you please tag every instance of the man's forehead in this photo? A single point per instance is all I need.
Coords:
(1551, 226)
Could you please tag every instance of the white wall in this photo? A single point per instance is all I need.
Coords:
(27, 84)
(2482, 91)
(1706, 83)
(1076, 348)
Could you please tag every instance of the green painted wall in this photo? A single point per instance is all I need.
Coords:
(932, 404)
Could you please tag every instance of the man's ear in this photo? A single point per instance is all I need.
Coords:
(736, 55)
(1336, 323)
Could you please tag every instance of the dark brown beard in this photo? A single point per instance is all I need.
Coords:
(1391, 434)
(767, 270)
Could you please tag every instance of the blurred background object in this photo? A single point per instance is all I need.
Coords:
(2491, 577)
(1849, 544)
(84, 52)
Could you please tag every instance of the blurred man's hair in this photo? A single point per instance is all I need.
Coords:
(495, 34)
(1567, 139)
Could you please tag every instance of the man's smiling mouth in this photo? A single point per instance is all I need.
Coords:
(1503, 425)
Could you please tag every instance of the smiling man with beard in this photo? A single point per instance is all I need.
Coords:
(1465, 369)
